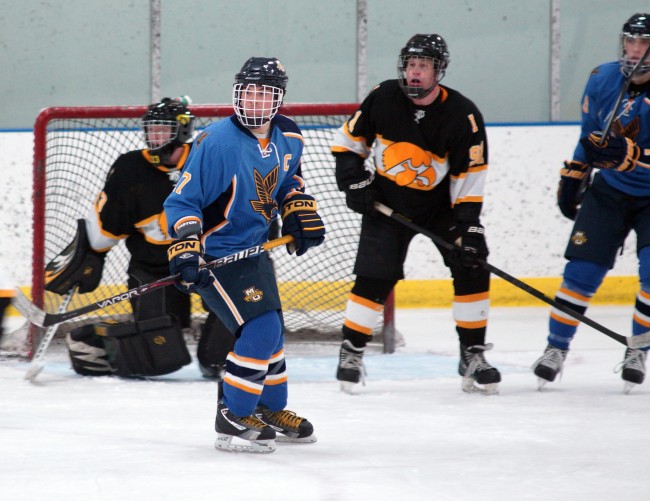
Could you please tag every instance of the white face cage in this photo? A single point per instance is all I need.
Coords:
(627, 65)
(159, 133)
(418, 92)
(256, 104)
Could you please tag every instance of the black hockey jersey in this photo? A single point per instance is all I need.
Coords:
(131, 207)
(427, 158)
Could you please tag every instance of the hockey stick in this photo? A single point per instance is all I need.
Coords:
(584, 184)
(36, 365)
(41, 318)
(636, 342)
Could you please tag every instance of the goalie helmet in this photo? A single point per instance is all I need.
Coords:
(167, 125)
(259, 90)
(635, 28)
(431, 47)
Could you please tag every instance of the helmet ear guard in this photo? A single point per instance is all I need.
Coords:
(636, 27)
(172, 113)
(266, 77)
(421, 46)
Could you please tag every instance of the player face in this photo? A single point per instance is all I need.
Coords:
(420, 73)
(257, 104)
(634, 48)
(158, 135)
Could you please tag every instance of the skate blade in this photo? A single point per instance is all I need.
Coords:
(225, 443)
(469, 386)
(628, 387)
(289, 440)
(541, 382)
(349, 388)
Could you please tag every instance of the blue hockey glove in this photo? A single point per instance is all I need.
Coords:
(300, 219)
(615, 152)
(571, 177)
(185, 257)
(471, 246)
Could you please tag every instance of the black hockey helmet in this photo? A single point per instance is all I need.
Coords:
(173, 113)
(638, 26)
(432, 47)
(270, 75)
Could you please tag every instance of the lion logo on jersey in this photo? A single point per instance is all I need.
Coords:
(264, 187)
(409, 165)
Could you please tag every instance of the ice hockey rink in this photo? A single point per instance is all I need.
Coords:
(409, 433)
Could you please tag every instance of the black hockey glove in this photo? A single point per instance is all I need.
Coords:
(361, 195)
(185, 256)
(615, 152)
(571, 177)
(300, 220)
(470, 246)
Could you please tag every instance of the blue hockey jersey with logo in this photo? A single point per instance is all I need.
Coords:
(234, 183)
(632, 119)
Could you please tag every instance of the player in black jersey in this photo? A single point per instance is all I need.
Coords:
(130, 208)
(430, 155)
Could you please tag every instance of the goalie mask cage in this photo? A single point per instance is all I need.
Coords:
(73, 151)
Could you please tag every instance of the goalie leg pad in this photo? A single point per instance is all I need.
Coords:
(147, 348)
(87, 352)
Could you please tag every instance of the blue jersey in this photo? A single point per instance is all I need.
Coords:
(632, 119)
(234, 183)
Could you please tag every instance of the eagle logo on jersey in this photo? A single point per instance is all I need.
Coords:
(631, 130)
(264, 187)
(411, 166)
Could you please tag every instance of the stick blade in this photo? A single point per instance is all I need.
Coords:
(28, 309)
(33, 371)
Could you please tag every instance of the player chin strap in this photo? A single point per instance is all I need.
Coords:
(37, 316)
(636, 342)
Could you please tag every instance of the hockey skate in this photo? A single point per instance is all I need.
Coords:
(291, 427)
(549, 365)
(350, 369)
(633, 368)
(478, 374)
(242, 434)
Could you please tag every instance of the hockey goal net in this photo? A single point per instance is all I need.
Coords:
(74, 149)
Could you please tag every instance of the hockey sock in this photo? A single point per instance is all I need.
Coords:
(641, 317)
(581, 281)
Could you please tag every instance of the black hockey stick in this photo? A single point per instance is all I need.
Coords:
(584, 184)
(41, 318)
(636, 342)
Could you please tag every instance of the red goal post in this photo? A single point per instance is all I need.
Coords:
(74, 148)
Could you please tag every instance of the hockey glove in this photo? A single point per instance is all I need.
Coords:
(571, 177)
(300, 219)
(185, 257)
(361, 196)
(470, 246)
(615, 152)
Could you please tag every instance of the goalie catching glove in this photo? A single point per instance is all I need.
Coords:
(185, 257)
(302, 222)
(611, 152)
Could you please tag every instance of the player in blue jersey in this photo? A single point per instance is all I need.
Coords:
(242, 171)
(617, 201)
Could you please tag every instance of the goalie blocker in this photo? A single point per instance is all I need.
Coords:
(77, 264)
(152, 347)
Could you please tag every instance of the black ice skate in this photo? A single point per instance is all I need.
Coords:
(350, 369)
(251, 434)
(478, 374)
(633, 368)
(549, 365)
(292, 428)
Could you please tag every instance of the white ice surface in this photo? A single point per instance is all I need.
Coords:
(410, 433)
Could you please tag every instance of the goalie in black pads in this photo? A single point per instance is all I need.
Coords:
(430, 158)
(617, 201)
(130, 207)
